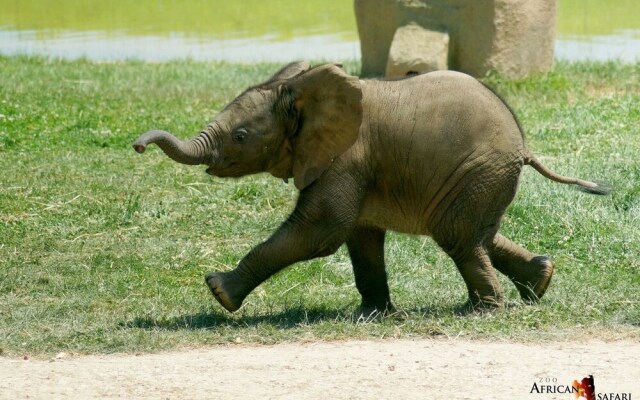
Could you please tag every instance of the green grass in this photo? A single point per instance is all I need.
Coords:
(104, 250)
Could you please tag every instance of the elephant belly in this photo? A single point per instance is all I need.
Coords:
(394, 215)
(479, 186)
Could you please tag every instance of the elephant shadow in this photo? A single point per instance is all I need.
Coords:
(287, 319)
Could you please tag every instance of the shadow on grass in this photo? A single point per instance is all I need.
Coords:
(288, 319)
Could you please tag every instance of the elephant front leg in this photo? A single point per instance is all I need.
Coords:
(366, 249)
(290, 244)
(530, 273)
(229, 288)
(318, 226)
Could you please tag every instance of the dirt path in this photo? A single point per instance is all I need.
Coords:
(390, 369)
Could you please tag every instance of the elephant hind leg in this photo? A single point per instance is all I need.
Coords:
(530, 273)
(366, 249)
(479, 276)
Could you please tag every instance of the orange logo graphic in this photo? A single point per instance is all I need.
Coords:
(586, 388)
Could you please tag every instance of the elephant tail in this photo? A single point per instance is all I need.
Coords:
(600, 188)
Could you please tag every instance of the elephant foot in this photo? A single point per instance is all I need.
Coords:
(480, 304)
(368, 312)
(535, 287)
(225, 291)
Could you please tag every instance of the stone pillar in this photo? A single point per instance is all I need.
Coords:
(377, 22)
(415, 50)
(512, 37)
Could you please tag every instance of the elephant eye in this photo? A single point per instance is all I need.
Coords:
(239, 135)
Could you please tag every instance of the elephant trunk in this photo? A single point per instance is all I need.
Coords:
(192, 152)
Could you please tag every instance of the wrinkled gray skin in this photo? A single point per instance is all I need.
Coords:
(437, 154)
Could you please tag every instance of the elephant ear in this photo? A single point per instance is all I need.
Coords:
(328, 105)
(290, 70)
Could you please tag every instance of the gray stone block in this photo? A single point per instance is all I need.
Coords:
(513, 37)
(417, 50)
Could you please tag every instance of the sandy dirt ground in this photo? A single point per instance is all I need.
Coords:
(388, 369)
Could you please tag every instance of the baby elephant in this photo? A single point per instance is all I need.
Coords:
(438, 154)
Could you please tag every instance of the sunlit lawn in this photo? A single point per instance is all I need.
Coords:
(104, 250)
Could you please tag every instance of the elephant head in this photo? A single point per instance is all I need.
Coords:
(293, 125)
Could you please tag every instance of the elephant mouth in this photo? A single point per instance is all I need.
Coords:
(230, 170)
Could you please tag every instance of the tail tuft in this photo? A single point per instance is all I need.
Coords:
(592, 187)
(601, 188)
